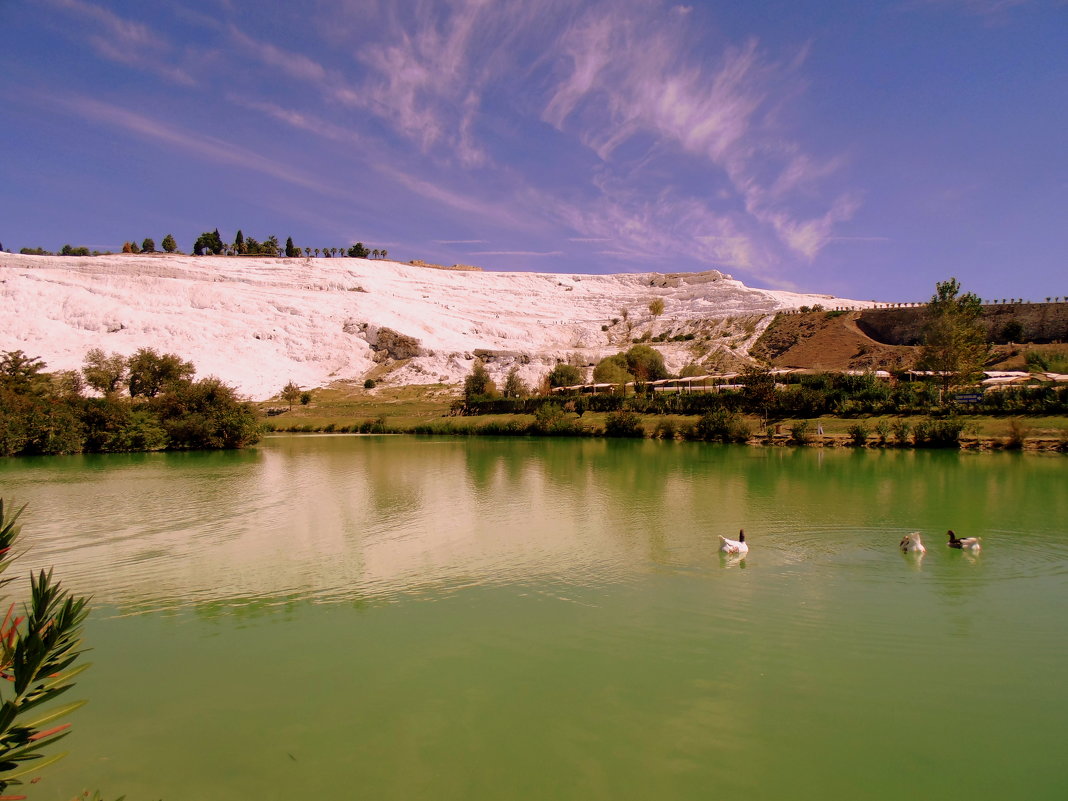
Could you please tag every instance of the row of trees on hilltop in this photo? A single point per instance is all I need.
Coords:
(148, 245)
(210, 242)
(148, 402)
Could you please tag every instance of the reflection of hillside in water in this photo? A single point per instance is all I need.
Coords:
(361, 519)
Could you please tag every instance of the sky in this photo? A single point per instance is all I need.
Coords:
(866, 150)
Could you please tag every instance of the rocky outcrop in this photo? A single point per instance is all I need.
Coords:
(385, 342)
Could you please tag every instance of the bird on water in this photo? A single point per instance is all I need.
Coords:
(964, 543)
(734, 546)
(911, 543)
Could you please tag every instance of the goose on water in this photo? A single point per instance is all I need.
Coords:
(734, 546)
(964, 543)
(911, 543)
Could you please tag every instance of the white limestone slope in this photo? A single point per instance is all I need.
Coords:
(260, 322)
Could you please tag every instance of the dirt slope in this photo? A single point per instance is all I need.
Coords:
(827, 341)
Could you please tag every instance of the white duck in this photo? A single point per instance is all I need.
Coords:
(738, 546)
(964, 543)
(911, 543)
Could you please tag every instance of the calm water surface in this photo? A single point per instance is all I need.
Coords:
(399, 618)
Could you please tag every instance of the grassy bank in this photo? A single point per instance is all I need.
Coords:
(426, 409)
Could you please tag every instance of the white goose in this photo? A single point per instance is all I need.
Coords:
(964, 543)
(911, 543)
(738, 546)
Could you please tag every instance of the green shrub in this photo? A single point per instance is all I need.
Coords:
(902, 432)
(369, 383)
(882, 428)
(665, 429)
(858, 434)
(1018, 432)
(721, 425)
(623, 424)
(944, 433)
(799, 432)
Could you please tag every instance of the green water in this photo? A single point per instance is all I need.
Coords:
(400, 618)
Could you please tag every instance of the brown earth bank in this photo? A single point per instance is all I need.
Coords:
(1005, 323)
(888, 339)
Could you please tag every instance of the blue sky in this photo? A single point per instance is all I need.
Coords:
(863, 149)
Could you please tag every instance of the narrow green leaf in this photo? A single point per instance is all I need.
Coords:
(53, 714)
(31, 768)
(30, 750)
(65, 677)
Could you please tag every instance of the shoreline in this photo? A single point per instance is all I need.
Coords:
(970, 444)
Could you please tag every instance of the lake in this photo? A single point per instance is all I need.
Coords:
(446, 618)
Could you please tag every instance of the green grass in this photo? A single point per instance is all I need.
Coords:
(347, 405)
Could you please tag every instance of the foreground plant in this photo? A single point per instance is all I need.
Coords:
(37, 652)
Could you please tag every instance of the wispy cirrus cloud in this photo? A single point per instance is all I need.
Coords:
(126, 41)
(982, 8)
(430, 69)
(675, 142)
(664, 98)
(301, 120)
(199, 145)
(515, 253)
(295, 65)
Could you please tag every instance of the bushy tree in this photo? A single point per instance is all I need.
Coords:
(358, 251)
(478, 384)
(645, 363)
(290, 394)
(514, 386)
(104, 373)
(149, 245)
(206, 414)
(149, 373)
(20, 373)
(564, 375)
(169, 245)
(759, 389)
(208, 242)
(33, 417)
(954, 342)
(612, 370)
